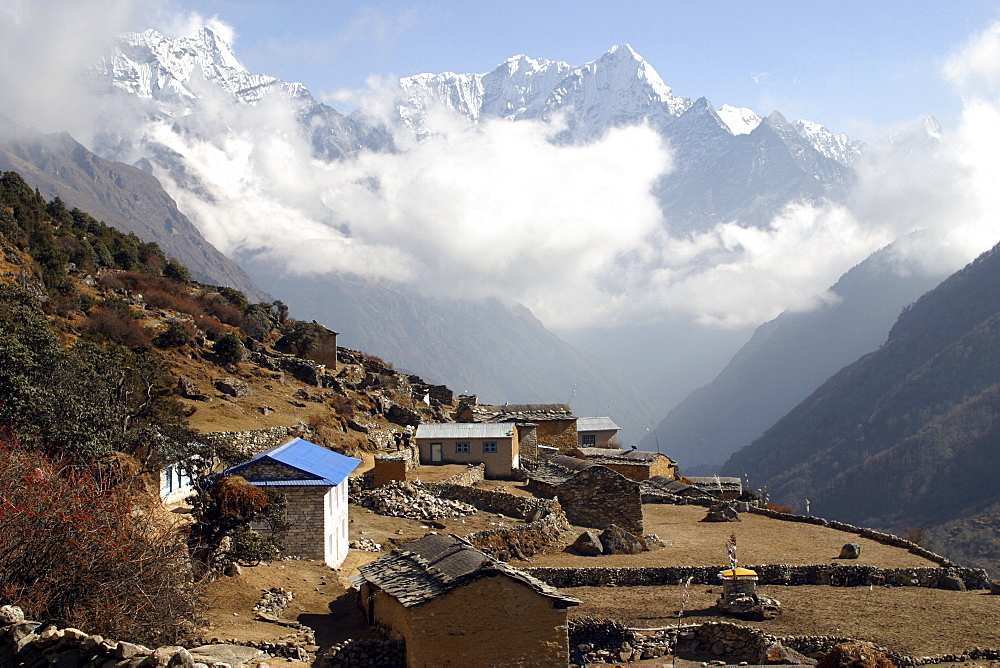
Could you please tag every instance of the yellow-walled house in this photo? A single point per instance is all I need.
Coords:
(497, 445)
(455, 606)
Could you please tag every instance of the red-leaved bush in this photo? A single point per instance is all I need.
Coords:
(79, 544)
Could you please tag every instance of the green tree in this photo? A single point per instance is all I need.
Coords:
(229, 349)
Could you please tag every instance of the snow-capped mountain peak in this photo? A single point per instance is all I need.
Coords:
(152, 66)
(739, 120)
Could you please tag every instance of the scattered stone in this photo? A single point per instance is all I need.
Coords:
(411, 500)
(616, 540)
(365, 545)
(273, 601)
(588, 544)
(189, 389)
(850, 551)
(11, 614)
(778, 654)
(233, 386)
(652, 540)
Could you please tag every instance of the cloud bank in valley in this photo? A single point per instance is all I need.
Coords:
(496, 209)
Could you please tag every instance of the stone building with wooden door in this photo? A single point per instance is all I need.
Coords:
(496, 445)
(313, 481)
(597, 432)
(633, 464)
(455, 606)
(555, 424)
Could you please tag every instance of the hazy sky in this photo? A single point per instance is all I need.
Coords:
(845, 64)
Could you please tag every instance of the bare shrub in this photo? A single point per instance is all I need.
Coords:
(77, 547)
(112, 325)
(914, 535)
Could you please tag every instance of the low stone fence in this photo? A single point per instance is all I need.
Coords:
(364, 652)
(503, 503)
(470, 476)
(871, 534)
(257, 440)
(738, 643)
(770, 574)
(521, 541)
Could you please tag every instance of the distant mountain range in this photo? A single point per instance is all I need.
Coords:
(907, 435)
(733, 165)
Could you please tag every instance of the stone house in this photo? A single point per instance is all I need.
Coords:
(598, 497)
(555, 423)
(496, 445)
(313, 481)
(633, 464)
(597, 432)
(455, 606)
(726, 488)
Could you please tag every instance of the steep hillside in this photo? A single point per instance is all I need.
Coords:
(786, 359)
(123, 196)
(905, 436)
(215, 360)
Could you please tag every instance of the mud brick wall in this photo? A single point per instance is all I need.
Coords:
(598, 497)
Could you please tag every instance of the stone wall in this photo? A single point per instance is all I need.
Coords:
(872, 534)
(598, 497)
(251, 442)
(521, 507)
(389, 468)
(521, 541)
(304, 511)
(771, 574)
(470, 476)
(372, 652)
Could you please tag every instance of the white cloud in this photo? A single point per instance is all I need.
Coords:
(975, 67)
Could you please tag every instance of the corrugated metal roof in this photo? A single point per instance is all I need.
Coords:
(328, 467)
(465, 430)
(596, 424)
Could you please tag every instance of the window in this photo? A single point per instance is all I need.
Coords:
(489, 446)
(462, 448)
(588, 440)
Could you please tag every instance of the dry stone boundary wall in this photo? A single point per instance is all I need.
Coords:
(749, 644)
(770, 574)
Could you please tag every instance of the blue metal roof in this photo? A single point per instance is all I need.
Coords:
(328, 467)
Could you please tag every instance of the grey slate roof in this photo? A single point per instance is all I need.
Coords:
(521, 412)
(325, 467)
(623, 456)
(420, 571)
(596, 424)
(712, 484)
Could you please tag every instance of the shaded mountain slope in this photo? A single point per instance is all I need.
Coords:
(786, 359)
(123, 196)
(906, 435)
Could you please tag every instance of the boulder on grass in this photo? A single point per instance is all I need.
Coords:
(616, 540)
(588, 544)
(850, 551)
(722, 512)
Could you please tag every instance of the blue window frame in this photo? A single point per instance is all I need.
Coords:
(462, 447)
(489, 447)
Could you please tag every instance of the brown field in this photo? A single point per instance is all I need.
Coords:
(910, 620)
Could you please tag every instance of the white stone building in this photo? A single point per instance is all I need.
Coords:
(313, 480)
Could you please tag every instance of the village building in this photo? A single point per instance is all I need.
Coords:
(175, 483)
(430, 593)
(597, 432)
(313, 481)
(598, 497)
(636, 465)
(496, 445)
(555, 423)
(726, 488)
